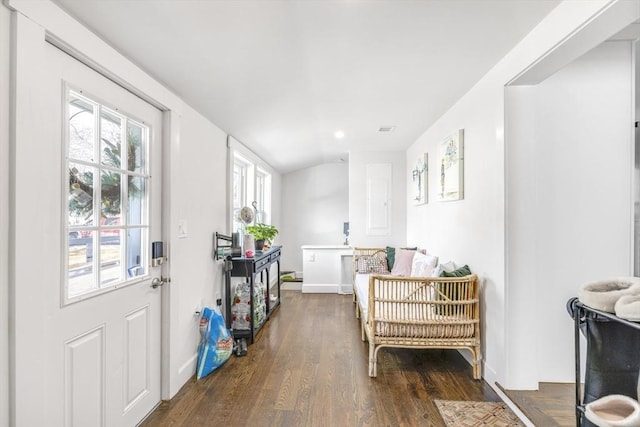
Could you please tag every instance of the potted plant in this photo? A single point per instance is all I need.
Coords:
(262, 233)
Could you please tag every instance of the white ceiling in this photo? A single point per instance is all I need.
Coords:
(282, 76)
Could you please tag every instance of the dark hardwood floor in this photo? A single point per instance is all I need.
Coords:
(552, 405)
(308, 367)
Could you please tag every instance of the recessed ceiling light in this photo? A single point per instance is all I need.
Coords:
(386, 128)
(339, 134)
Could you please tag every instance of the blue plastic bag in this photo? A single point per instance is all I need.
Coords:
(216, 344)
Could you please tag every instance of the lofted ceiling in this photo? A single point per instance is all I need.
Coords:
(282, 76)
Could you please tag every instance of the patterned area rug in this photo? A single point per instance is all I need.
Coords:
(477, 414)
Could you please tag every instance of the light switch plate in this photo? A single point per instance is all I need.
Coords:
(182, 229)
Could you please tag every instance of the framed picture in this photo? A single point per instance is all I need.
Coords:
(451, 164)
(420, 176)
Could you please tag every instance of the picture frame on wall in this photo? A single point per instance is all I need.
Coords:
(420, 179)
(451, 164)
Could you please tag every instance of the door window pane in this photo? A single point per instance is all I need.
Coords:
(136, 159)
(81, 191)
(110, 194)
(80, 265)
(110, 252)
(137, 196)
(81, 129)
(110, 138)
(136, 259)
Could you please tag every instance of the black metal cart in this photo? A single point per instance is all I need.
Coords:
(249, 268)
(613, 356)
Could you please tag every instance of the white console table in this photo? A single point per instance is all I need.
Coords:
(327, 269)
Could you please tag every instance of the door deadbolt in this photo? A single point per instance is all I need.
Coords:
(159, 281)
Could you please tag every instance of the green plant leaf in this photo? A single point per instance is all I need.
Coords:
(261, 231)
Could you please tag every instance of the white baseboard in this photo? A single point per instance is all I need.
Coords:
(291, 286)
(526, 421)
(318, 288)
(346, 289)
(184, 374)
(491, 378)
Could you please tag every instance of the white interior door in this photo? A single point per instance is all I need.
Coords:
(379, 185)
(86, 213)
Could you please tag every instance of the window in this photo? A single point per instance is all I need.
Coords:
(241, 169)
(106, 206)
(251, 187)
(261, 182)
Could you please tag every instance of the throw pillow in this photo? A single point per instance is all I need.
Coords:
(402, 264)
(423, 265)
(373, 264)
(444, 266)
(460, 272)
(450, 291)
(391, 256)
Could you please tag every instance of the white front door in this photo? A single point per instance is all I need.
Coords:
(88, 196)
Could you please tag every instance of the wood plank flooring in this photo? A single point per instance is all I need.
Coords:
(308, 367)
(552, 405)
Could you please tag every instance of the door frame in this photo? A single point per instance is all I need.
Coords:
(5, 17)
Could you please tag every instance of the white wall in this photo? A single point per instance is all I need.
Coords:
(4, 215)
(470, 231)
(315, 204)
(473, 230)
(198, 196)
(579, 173)
(522, 235)
(358, 161)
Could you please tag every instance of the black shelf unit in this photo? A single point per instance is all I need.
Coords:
(580, 313)
(249, 268)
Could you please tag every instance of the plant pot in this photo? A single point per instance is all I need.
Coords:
(259, 245)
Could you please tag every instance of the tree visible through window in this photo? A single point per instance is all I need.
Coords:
(107, 197)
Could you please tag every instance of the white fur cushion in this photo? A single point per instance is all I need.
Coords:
(604, 294)
(628, 307)
(614, 410)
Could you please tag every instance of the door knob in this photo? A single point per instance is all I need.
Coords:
(159, 281)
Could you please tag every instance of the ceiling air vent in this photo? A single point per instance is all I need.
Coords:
(386, 128)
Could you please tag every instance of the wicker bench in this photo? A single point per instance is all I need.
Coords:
(417, 312)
